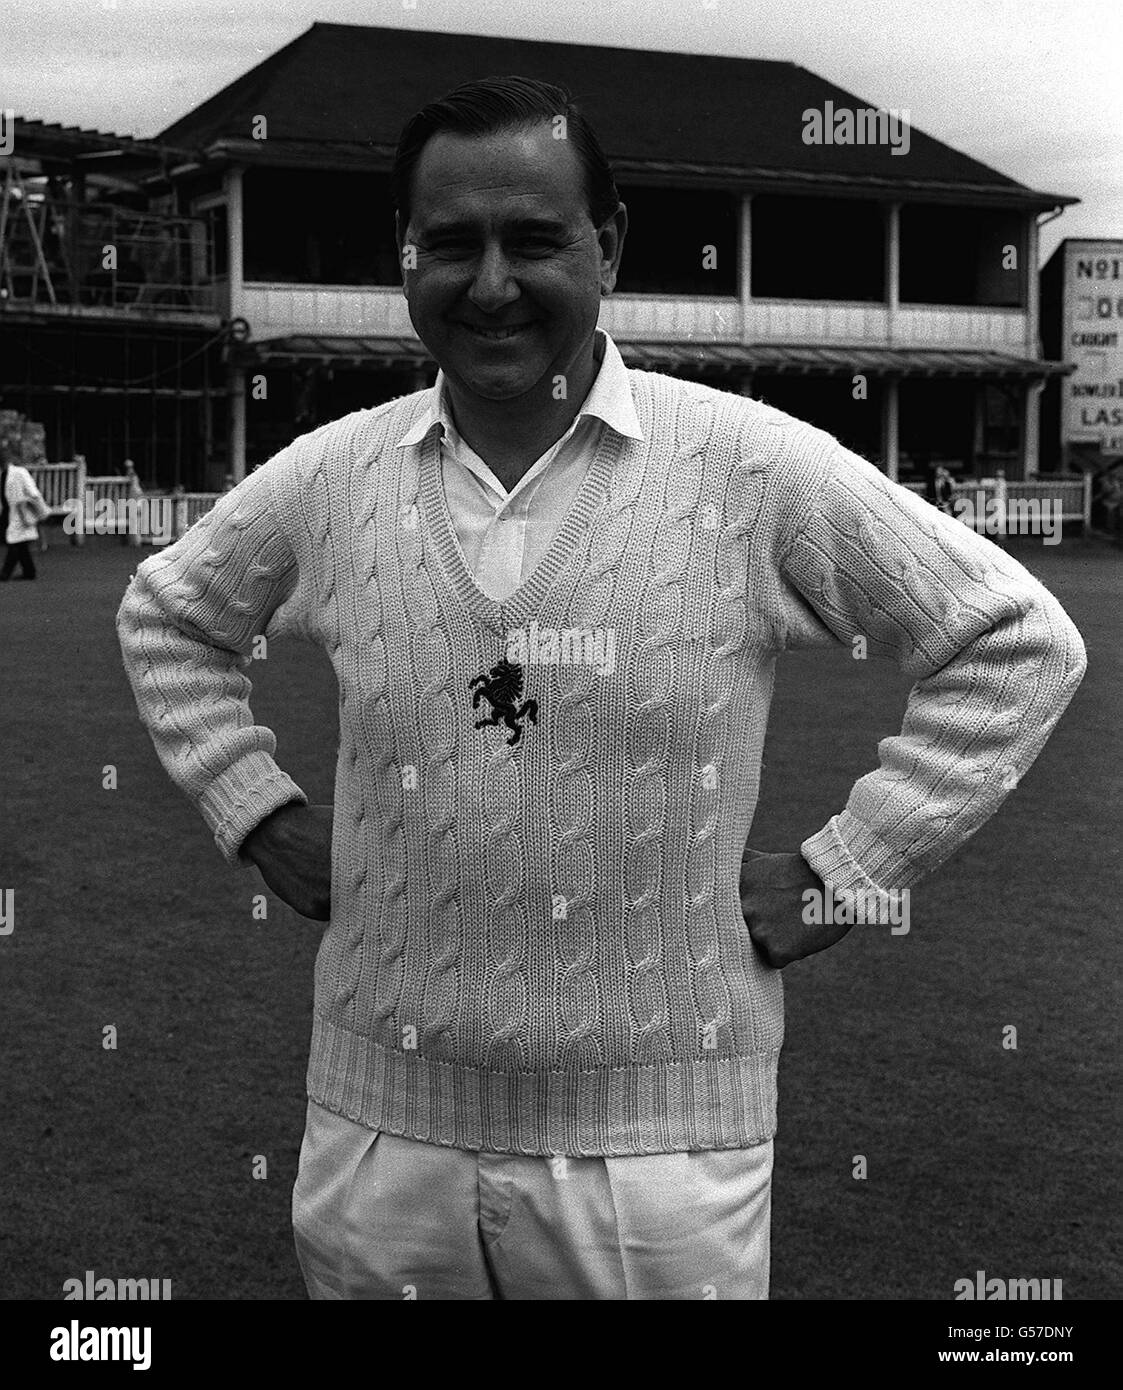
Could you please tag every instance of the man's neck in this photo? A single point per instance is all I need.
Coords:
(511, 436)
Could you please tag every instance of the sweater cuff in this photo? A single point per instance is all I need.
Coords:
(237, 801)
(846, 854)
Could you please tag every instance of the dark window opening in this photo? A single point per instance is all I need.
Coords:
(1001, 422)
(831, 404)
(679, 241)
(817, 248)
(306, 395)
(969, 256)
(937, 425)
(303, 227)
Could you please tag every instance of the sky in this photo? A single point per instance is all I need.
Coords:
(1031, 87)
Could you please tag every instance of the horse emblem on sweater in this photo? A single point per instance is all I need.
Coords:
(502, 688)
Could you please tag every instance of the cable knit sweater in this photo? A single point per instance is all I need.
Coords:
(536, 942)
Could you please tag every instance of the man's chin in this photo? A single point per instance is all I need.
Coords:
(497, 384)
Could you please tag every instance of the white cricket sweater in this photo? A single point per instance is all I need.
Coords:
(536, 942)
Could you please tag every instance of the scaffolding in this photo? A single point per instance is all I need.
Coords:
(58, 252)
(111, 289)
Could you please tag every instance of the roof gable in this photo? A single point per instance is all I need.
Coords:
(355, 86)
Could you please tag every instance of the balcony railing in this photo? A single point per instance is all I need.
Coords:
(875, 325)
(359, 311)
(274, 310)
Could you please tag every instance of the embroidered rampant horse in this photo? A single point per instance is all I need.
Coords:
(502, 688)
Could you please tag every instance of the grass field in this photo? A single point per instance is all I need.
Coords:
(139, 1161)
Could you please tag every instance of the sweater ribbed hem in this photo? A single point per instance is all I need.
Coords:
(715, 1103)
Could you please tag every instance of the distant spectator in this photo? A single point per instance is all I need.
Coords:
(943, 486)
(1111, 501)
(21, 509)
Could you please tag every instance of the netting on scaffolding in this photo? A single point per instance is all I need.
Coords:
(58, 251)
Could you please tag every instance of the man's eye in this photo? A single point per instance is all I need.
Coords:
(458, 248)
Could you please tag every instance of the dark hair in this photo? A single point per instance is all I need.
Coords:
(504, 103)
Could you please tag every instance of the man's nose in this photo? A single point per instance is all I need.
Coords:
(493, 285)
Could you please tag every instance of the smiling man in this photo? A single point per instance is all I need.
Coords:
(548, 1006)
(518, 351)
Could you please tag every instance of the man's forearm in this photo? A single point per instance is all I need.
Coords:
(186, 625)
(994, 657)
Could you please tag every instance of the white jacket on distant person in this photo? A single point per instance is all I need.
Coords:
(26, 505)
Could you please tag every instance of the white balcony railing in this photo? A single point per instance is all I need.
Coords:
(996, 330)
(872, 325)
(339, 311)
(275, 311)
(676, 318)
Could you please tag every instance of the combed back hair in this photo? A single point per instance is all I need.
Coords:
(504, 103)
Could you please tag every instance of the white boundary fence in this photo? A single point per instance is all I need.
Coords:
(62, 483)
(1073, 496)
(59, 483)
(189, 507)
(65, 484)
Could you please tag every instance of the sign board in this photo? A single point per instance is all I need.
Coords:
(1092, 409)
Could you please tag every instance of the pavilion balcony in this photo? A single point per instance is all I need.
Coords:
(375, 311)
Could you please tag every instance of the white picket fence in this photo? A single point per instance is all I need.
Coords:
(59, 483)
(63, 484)
(1068, 498)
(78, 497)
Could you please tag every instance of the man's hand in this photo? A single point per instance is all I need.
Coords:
(772, 888)
(292, 848)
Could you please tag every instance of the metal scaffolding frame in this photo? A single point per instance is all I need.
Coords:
(59, 251)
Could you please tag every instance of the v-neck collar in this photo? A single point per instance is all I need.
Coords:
(500, 615)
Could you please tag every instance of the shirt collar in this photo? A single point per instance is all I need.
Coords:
(609, 399)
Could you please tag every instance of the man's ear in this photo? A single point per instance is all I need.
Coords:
(398, 233)
(610, 238)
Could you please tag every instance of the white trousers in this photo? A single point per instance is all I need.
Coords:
(376, 1216)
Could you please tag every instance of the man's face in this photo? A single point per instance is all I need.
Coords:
(504, 242)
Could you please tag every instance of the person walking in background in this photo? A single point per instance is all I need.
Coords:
(21, 509)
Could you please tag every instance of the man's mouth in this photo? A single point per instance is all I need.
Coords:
(497, 335)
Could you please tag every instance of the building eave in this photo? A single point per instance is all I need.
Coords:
(376, 158)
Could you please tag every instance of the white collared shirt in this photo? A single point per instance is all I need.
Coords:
(505, 534)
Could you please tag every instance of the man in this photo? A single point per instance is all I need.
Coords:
(546, 1022)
